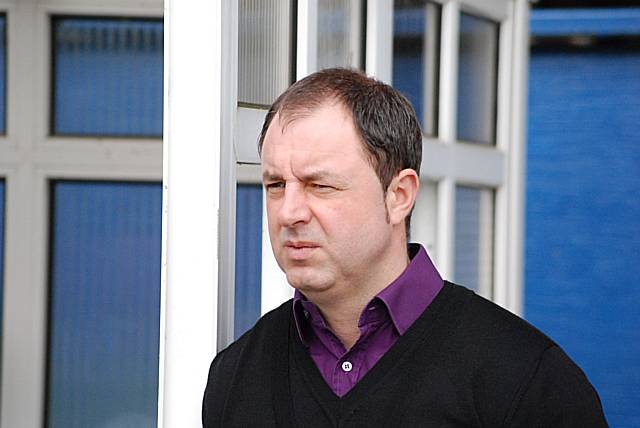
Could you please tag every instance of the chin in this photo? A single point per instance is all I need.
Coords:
(307, 281)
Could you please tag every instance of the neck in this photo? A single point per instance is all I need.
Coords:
(342, 313)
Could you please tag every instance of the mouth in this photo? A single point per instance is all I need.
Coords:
(299, 250)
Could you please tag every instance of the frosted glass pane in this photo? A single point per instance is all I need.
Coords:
(248, 256)
(477, 80)
(3, 74)
(416, 58)
(104, 305)
(264, 50)
(474, 239)
(339, 33)
(424, 219)
(107, 77)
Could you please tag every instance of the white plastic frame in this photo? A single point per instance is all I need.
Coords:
(446, 161)
(29, 160)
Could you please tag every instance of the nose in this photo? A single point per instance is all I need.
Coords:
(294, 209)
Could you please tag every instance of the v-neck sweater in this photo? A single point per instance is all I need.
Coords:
(465, 362)
(382, 321)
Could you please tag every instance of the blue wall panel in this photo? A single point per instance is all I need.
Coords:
(597, 21)
(104, 304)
(108, 77)
(248, 257)
(583, 216)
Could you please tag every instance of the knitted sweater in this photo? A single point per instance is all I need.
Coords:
(465, 362)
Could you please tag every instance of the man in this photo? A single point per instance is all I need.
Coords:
(373, 336)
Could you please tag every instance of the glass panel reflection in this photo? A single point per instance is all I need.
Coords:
(107, 77)
(104, 312)
(248, 257)
(416, 57)
(264, 50)
(339, 33)
(473, 265)
(425, 216)
(477, 80)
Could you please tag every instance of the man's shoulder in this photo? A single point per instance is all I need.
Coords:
(484, 323)
(272, 323)
(511, 362)
(245, 364)
(486, 343)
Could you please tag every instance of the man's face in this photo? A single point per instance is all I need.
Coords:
(325, 206)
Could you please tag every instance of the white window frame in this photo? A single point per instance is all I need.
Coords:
(30, 158)
(450, 162)
(446, 160)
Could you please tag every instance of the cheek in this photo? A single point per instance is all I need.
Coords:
(354, 219)
(272, 224)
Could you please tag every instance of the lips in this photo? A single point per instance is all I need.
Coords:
(300, 250)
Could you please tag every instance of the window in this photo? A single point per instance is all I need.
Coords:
(104, 304)
(416, 51)
(107, 77)
(248, 257)
(474, 239)
(477, 80)
(425, 216)
(84, 100)
(264, 50)
(339, 33)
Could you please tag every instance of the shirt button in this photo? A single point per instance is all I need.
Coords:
(347, 366)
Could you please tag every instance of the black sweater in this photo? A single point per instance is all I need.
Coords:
(465, 362)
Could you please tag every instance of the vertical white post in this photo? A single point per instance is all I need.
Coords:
(228, 185)
(191, 174)
(355, 33)
(517, 158)
(447, 130)
(430, 56)
(506, 144)
(379, 44)
(307, 47)
(24, 335)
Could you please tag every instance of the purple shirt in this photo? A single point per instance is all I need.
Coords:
(382, 322)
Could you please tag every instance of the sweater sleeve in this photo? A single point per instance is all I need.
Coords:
(556, 394)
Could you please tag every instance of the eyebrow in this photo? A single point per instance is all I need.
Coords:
(271, 176)
(312, 176)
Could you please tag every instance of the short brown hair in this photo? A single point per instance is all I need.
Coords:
(386, 121)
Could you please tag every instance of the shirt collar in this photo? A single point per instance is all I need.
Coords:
(405, 298)
(412, 292)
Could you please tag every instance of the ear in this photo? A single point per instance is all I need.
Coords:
(401, 195)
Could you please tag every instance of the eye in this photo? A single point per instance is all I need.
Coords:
(322, 188)
(274, 187)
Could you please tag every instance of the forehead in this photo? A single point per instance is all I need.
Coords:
(326, 133)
